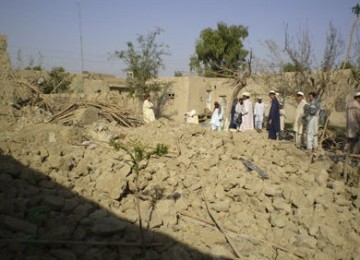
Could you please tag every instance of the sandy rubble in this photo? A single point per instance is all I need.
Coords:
(66, 183)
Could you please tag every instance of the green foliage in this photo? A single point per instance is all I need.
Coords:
(37, 214)
(57, 82)
(144, 63)
(290, 67)
(356, 10)
(354, 78)
(220, 50)
(37, 68)
(178, 73)
(140, 154)
(346, 65)
(139, 151)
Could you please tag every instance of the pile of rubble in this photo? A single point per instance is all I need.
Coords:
(67, 194)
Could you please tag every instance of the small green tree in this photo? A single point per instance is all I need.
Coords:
(178, 73)
(290, 67)
(140, 154)
(57, 82)
(144, 62)
(219, 51)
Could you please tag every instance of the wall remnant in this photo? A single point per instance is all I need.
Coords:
(5, 65)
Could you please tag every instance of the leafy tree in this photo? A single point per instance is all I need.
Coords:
(346, 65)
(290, 67)
(325, 79)
(178, 73)
(140, 154)
(37, 67)
(354, 78)
(355, 10)
(219, 50)
(57, 82)
(144, 63)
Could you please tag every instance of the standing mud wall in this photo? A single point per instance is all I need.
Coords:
(5, 65)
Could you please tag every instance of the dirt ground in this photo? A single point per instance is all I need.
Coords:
(67, 194)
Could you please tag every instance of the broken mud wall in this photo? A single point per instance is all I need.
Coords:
(188, 93)
(5, 65)
(94, 83)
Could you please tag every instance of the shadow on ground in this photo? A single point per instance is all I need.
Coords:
(40, 219)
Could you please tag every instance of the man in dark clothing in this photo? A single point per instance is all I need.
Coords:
(273, 123)
(233, 115)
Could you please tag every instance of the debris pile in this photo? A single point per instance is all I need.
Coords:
(92, 112)
(67, 194)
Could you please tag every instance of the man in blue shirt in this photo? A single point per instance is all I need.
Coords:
(273, 123)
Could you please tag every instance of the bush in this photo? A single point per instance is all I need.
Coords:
(57, 82)
(178, 73)
(37, 68)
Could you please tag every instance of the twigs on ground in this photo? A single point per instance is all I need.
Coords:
(109, 111)
(33, 95)
(235, 234)
(217, 224)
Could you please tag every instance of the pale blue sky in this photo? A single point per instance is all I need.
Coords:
(52, 27)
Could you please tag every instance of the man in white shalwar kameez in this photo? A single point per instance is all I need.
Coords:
(239, 112)
(148, 110)
(353, 125)
(259, 112)
(312, 120)
(216, 118)
(248, 117)
(299, 122)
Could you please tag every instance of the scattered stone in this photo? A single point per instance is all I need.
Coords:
(111, 183)
(271, 190)
(176, 252)
(62, 253)
(210, 237)
(54, 202)
(221, 252)
(278, 220)
(108, 226)
(20, 225)
(221, 206)
(91, 195)
(321, 177)
(60, 232)
(281, 205)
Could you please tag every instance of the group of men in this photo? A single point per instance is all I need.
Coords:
(307, 118)
(242, 114)
(306, 122)
(244, 117)
(306, 125)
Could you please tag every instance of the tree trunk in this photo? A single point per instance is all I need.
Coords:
(238, 87)
(348, 50)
